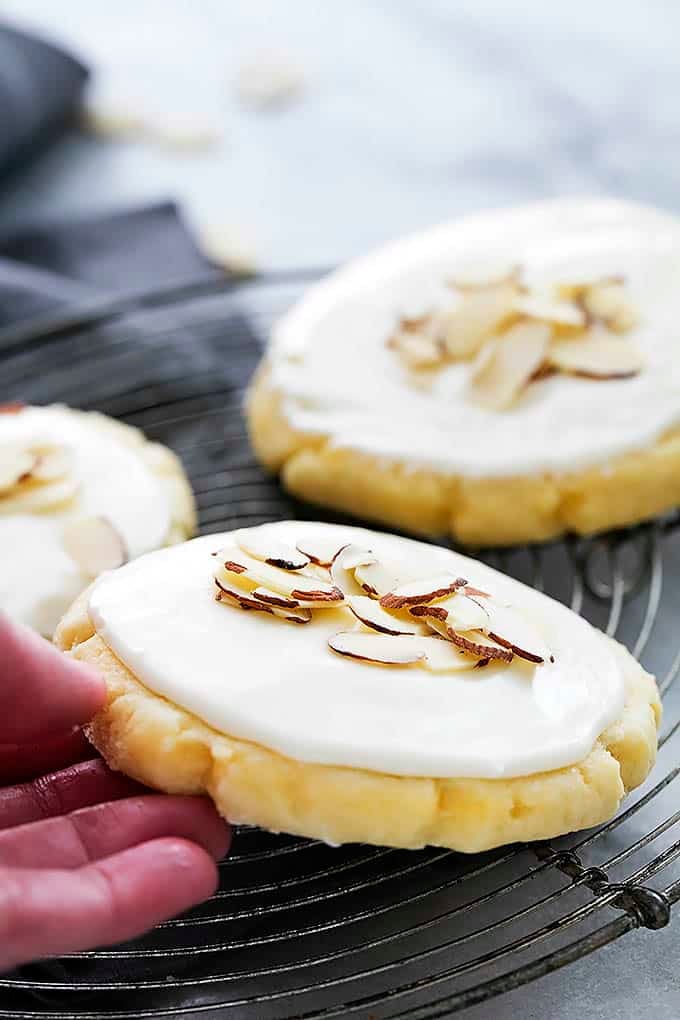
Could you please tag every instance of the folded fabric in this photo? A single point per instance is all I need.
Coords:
(40, 92)
(64, 263)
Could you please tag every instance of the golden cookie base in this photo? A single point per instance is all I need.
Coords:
(475, 511)
(168, 748)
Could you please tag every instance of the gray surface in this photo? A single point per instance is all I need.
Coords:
(414, 112)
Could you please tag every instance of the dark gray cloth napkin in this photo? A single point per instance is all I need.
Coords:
(51, 265)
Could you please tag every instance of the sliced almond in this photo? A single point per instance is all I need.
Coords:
(560, 313)
(16, 466)
(371, 613)
(377, 580)
(609, 302)
(38, 499)
(464, 331)
(400, 650)
(256, 542)
(421, 592)
(94, 544)
(475, 279)
(596, 356)
(507, 364)
(343, 566)
(417, 351)
(320, 548)
(52, 463)
(509, 628)
(294, 584)
(245, 601)
(461, 612)
(477, 644)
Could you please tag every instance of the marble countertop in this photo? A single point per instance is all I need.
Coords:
(413, 112)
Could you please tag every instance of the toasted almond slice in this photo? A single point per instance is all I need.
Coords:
(417, 351)
(421, 592)
(381, 648)
(294, 584)
(377, 580)
(596, 356)
(320, 548)
(255, 542)
(461, 612)
(273, 598)
(479, 315)
(94, 544)
(576, 289)
(479, 278)
(401, 650)
(507, 364)
(443, 656)
(241, 598)
(479, 645)
(52, 463)
(343, 566)
(38, 499)
(508, 627)
(561, 313)
(371, 613)
(293, 614)
(16, 466)
(609, 302)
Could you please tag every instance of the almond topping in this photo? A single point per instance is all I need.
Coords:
(507, 364)
(459, 611)
(245, 601)
(400, 650)
(608, 301)
(94, 544)
(596, 356)
(422, 592)
(16, 466)
(561, 313)
(417, 351)
(51, 463)
(481, 313)
(476, 644)
(344, 564)
(509, 628)
(255, 542)
(320, 549)
(371, 613)
(293, 584)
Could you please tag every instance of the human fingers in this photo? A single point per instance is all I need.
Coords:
(88, 782)
(51, 912)
(22, 762)
(76, 839)
(41, 689)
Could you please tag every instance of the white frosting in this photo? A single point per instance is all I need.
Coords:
(38, 579)
(338, 378)
(261, 679)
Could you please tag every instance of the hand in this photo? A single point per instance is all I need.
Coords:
(87, 857)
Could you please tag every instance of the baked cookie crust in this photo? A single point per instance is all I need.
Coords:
(170, 749)
(492, 511)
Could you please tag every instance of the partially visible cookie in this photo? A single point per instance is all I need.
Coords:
(79, 493)
(504, 378)
(349, 686)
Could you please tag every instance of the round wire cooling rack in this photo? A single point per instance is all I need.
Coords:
(297, 928)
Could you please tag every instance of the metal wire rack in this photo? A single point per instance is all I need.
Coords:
(299, 929)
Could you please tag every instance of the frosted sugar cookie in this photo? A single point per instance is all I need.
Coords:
(352, 686)
(79, 493)
(503, 378)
